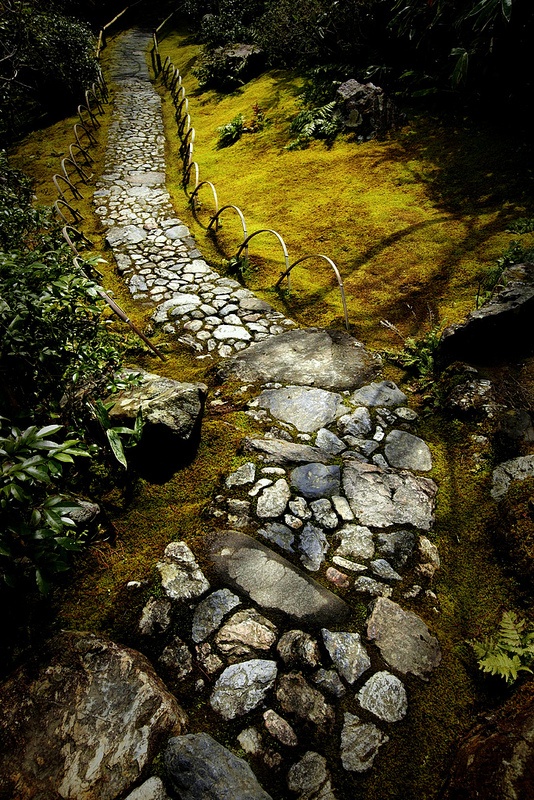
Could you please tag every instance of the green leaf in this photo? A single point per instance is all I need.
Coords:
(116, 447)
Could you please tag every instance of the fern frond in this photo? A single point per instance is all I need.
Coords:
(510, 630)
(499, 663)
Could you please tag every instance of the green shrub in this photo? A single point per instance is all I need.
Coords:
(46, 61)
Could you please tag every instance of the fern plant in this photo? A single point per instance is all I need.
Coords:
(323, 122)
(510, 651)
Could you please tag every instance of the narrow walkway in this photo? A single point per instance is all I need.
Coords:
(333, 487)
(154, 250)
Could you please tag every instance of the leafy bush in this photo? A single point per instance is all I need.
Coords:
(46, 60)
(510, 651)
(55, 345)
(55, 354)
(35, 529)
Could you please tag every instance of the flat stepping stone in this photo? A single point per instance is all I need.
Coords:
(273, 582)
(309, 357)
(278, 451)
(307, 409)
(316, 481)
(403, 639)
(405, 451)
(381, 499)
(127, 234)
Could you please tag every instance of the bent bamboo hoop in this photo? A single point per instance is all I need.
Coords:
(215, 219)
(336, 272)
(274, 233)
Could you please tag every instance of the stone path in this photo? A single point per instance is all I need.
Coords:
(154, 250)
(330, 507)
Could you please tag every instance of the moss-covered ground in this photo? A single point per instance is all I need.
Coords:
(412, 223)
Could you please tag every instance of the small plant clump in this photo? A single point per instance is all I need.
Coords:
(510, 651)
(230, 133)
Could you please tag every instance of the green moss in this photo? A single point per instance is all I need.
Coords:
(422, 212)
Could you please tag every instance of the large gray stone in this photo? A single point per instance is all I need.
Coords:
(310, 357)
(242, 687)
(86, 723)
(306, 408)
(403, 639)
(199, 768)
(271, 581)
(403, 450)
(380, 499)
(517, 469)
(316, 480)
(170, 408)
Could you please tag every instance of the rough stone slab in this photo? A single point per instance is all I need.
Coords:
(380, 498)
(211, 611)
(403, 639)
(360, 742)
(181, 577)
(152, 789)
(272, 582)
(310, 778)
(86, 723)
(384, 394)
(306, 408)
(165, 404)
(310, 357)
(347, 652)
(384, 696)
(273, 500)
(278, 451)
(242, 687)
(200, 768)
(517, 469)
(296, 696)
(403, 450)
